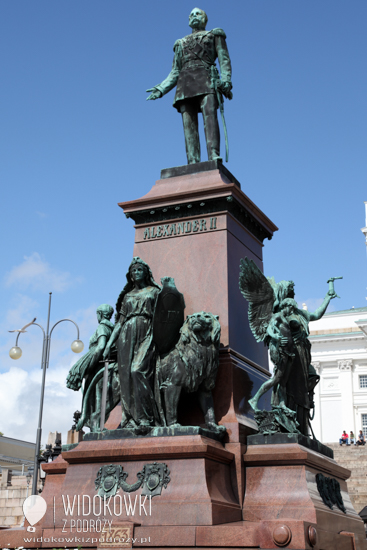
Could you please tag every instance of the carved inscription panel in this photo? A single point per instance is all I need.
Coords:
(178, 228)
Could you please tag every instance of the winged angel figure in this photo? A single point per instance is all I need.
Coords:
(276, 320)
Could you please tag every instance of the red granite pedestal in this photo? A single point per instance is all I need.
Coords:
(200, 508)
(194, 225)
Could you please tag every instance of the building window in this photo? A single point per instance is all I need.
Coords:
(363, 380)
(364, 424)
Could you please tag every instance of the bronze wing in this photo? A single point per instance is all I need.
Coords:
(257, 289)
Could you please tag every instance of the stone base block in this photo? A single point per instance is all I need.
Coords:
(199, 491)
(282, 508)
(283, 492)
(280, 439)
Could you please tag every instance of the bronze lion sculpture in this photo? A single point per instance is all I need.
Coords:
(192, 366)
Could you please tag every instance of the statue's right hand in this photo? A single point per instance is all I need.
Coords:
(156, 94)
(106, 353)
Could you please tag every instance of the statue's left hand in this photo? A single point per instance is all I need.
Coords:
(297, 336)
(225, 88)
(156, 94)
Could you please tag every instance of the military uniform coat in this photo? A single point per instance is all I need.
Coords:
(195, 55)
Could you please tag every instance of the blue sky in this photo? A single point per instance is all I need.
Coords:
(77, 137)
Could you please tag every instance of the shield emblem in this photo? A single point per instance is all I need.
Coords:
(168, 316)
(109, 479)
(153, 481)
(109, 482)
(156, 476)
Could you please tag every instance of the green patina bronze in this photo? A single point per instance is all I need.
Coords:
(154, 355)
(89, 368)
(275, 319)
(152, 478)
(199, 86)
(136, 352)
(159, 354)
(192, 366)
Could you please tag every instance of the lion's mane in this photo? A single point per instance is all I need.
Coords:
(197, 352)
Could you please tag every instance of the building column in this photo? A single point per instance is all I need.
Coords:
(346, 388)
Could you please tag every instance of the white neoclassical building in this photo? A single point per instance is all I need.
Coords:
(339, 354)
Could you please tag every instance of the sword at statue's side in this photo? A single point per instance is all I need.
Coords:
(104, 393)
(216, 83)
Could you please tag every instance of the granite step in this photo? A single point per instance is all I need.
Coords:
(354, 458)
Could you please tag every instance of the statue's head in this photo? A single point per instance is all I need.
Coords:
(283, 290)
(288, 306)
(198, 19)
(290, 289)
(104, 311)
(138, 270)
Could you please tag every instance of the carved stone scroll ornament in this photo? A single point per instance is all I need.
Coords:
(329, 489)
(347, 364)
(152, 477)
(317, 366)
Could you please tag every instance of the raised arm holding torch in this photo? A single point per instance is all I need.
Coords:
(331, 286)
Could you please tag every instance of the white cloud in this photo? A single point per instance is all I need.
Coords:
(20, 381)
(36, 273)
(20, 315)
(20, 393)
(16, 317)
(41, 214)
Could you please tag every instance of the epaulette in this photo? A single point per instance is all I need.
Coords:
(219, 32)
(176, 44)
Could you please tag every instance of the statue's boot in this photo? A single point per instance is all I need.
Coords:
(209, 108)
(191, 130)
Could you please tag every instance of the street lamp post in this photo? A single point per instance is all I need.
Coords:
(15, 353)
(28, 478)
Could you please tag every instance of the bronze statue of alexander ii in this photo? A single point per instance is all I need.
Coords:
(199, 86)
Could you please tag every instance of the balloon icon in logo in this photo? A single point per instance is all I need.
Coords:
(34, 508)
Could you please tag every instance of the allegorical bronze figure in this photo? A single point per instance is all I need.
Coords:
(276, 320)
(199, 86)
(87, 368)
(136, 351)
